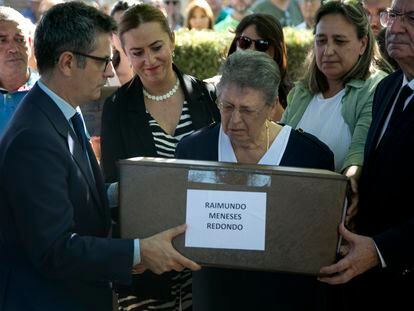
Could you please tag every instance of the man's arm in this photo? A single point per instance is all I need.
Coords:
(155, 253)
(56, 236)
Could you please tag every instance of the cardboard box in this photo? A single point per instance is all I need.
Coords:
(303, 208)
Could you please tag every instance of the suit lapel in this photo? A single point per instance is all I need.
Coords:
(379, 118)
(407, 115)
(136, 133)
(100, 187)
(59, 122)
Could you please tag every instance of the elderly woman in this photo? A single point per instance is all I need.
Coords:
(334, 99)
(246, 97)
(147, 117)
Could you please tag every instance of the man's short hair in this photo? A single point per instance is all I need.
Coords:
(70, 26)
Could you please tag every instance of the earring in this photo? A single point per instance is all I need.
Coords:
(173, 54)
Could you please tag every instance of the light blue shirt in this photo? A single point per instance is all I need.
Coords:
(68, 111)
(9, 101)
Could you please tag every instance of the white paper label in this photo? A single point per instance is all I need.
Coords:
(226, 219)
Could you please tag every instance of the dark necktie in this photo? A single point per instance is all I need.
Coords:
(406, 91)
(79, 129)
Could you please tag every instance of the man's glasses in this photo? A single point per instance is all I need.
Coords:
(105, 60)
(174, 2)
(261, 45)
(388, 17)
(244, 112)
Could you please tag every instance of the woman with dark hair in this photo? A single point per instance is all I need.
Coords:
(148, 116)
(334, 99)
(263, 32)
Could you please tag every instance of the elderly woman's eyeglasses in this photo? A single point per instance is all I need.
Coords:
(227, 108)
(389, 16)
(261, 45)
(105, 60)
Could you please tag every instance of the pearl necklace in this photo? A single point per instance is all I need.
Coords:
(164, 96)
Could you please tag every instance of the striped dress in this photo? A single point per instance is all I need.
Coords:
(181, 290)
(164, 143)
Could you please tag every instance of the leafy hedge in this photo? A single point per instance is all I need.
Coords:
(200, 53)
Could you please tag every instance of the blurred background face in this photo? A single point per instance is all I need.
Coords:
(14, 49)
(251, 33)
(241, 6)
(149, 49)
(308, 9)
(337, 47)
(172, 7)
(215, 6)
(373, 8)
(199, 19)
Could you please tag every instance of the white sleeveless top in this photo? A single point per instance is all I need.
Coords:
(323, 118)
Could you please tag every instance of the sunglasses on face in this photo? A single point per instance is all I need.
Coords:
(261, 45)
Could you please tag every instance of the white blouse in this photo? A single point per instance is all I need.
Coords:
(323, 118)
(273, 156)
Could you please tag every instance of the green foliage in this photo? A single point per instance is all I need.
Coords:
(200, 53)
(298, 45)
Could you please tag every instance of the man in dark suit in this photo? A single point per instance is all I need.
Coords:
(380, 258)
(55, 253)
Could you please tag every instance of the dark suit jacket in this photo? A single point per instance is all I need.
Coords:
(54, 224)
(125, 129)
(227, 290)
(385, 211)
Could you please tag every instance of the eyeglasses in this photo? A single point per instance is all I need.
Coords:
(174, 2)
(261, 45)
(105, 60)
(244, 112)
(388, 17)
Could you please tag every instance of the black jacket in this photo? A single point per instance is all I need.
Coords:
(125, 128)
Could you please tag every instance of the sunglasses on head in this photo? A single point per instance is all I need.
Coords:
(261, 45)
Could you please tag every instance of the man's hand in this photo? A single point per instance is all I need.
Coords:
(360, 256)
(159, 255)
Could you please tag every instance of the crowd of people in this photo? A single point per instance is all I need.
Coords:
(351, 112)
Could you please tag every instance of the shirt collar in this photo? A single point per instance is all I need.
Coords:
(67, 110)
(410, 83)
(33, 77)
